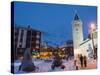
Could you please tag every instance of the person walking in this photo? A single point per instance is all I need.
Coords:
(85, 61)
(76, 64)
(81, 60)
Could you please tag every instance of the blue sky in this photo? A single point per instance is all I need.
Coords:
(54, 20)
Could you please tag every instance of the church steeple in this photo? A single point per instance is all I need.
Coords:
(76, 17)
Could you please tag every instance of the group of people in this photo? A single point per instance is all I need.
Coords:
(83, 61)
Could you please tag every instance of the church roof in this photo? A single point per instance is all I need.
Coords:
(76, 17)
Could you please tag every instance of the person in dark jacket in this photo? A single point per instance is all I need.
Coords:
(81, 60)
(85, 61)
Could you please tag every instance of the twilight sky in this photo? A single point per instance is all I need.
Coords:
(54, 20)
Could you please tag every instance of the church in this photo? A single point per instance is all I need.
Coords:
(86, 47)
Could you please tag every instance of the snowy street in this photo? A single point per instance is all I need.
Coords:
(45, 66)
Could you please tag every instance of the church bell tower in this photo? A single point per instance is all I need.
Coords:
(77, 34)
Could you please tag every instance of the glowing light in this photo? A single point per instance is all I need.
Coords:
(92, 26)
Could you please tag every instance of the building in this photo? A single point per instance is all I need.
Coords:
(26, 37)
(87, 47)
(77, 34)
(68, 48)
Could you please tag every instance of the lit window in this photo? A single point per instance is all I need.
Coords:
(37, 36)
(37, 46)
(37, 41)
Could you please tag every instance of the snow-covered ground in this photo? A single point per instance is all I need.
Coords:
(45, 65)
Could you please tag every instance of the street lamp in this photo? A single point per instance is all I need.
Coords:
(92, 28)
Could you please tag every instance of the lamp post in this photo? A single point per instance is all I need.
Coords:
(92, 28)
(93, 45)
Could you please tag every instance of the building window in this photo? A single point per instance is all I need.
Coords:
(37, 46)
(29, 33)
(16, 33)
(37, 41)
(21, 38)
(34, 33)
(33, 38)
(20, 45)
(16, 39)
(37, 36)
